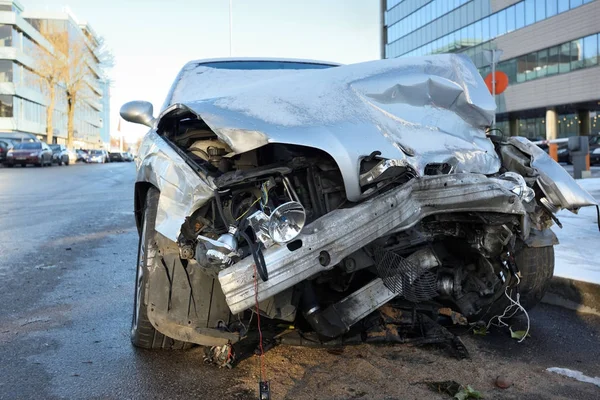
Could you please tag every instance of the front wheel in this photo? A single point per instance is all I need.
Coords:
(143, 333)
(536, 267)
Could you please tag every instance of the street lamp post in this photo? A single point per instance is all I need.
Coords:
(230, 27)
(493, 56)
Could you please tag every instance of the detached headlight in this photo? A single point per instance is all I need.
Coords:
(286, 222)
(520, 187)
(9, 153)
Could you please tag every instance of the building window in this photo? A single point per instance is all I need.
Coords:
(540, 10)
(6, 33)
(577, 54)
(564, 61)
(6, 71)
(590, 50)
(542, 63)
(6, 106)
(5, 7)
(521, 68)
(563, 5)
(532, 67)
(529, 12)
(551, 8)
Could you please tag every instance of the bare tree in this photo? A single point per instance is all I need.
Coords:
(77, 64)
(50, 70)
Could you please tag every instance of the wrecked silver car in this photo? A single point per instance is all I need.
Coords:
(317, 193)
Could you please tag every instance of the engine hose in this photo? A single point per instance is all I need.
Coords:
(220, 208)
(259, 260)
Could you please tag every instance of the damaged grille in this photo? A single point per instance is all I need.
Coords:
(405, 278)
(438, 169)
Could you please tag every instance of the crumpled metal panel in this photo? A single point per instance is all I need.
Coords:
(418, 110)
(182, 191)
(556, 183)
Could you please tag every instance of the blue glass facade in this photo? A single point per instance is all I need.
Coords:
(420, 27)
(423, 27)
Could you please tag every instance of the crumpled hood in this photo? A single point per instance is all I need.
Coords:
(419, 110)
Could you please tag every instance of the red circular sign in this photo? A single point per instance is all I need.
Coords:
(501, 82)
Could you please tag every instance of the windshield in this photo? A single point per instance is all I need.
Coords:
(253, 65)
(55, 147)
(28, 146)
(96, 152)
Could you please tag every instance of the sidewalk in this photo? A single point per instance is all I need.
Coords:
(578, 254)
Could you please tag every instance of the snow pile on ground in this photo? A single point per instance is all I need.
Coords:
(575, 375)
(577, 255)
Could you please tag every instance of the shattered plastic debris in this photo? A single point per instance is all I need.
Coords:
(575, 375)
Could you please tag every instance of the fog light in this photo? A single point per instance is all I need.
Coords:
(286, 222)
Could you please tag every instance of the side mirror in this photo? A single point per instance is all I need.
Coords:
(138, 112)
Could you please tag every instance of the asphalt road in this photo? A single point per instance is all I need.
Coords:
(67, 256)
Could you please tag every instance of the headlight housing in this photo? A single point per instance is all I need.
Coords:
(286, 222)
(520, 187)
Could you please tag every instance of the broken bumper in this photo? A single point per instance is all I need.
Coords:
(326, 241)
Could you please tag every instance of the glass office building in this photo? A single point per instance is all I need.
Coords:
(550, 54)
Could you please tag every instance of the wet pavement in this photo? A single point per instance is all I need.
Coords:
(67, 257)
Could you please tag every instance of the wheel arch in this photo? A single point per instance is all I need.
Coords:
(139, 200)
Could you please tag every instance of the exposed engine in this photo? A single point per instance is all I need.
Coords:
(267, 196)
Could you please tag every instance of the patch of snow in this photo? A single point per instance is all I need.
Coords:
(575, 375)
(576, 257)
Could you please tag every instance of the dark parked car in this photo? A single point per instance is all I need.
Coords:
(37, 153)
(60, 155)
(5, 146)
(116, 157)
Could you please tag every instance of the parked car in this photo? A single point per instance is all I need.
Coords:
(127, 156)
(23, 153)
(82, 155)
(5, 146)
(116, 156)
(98, 156)
(322, 192)
(60, 155)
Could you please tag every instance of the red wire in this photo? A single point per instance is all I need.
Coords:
(263, 373)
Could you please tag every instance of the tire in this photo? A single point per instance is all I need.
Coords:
(536, 266)
(143, 333)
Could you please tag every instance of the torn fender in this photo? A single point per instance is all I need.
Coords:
(182, 190)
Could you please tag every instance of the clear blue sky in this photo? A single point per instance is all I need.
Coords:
(152, 39)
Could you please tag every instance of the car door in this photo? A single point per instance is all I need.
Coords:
(46, 153)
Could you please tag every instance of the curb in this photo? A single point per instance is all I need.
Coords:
(575, 295)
